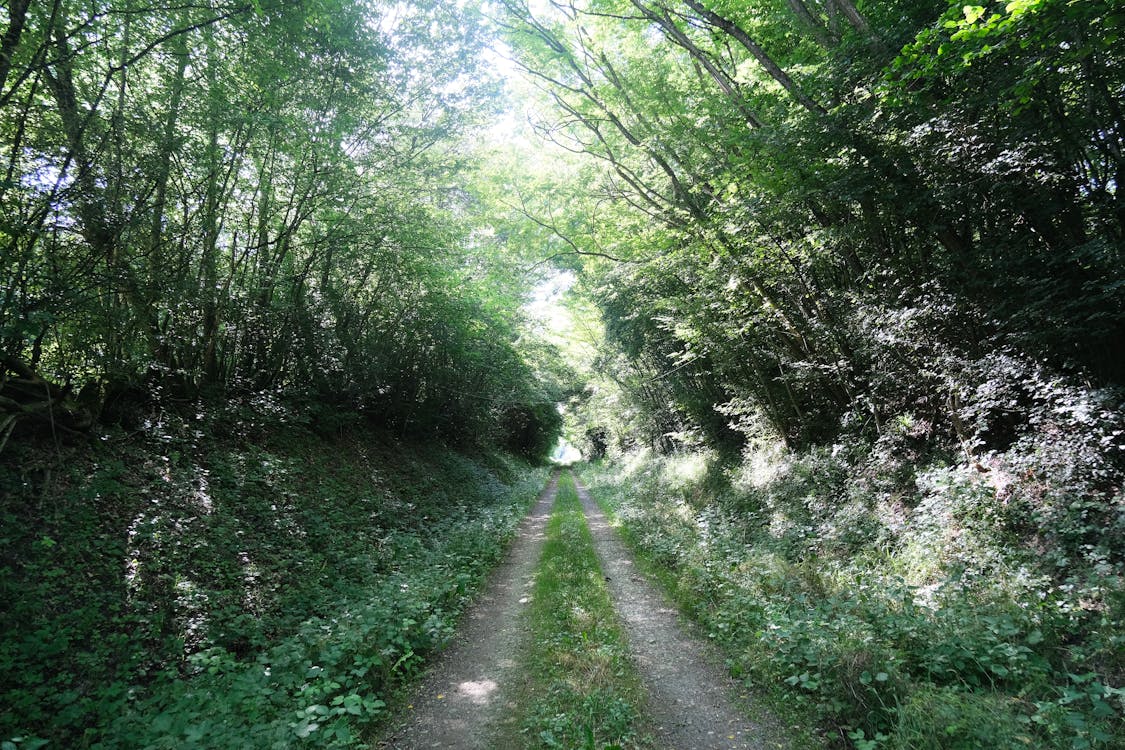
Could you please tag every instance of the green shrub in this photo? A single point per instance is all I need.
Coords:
(933, 718)
(196, 585)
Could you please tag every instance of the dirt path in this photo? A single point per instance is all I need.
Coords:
(460, 698)
(693, 703)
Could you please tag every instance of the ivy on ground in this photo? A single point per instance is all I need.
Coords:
(237, 580)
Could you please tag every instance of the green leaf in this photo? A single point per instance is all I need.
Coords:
(972, 13)
(305, 729)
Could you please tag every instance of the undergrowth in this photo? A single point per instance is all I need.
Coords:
(582, 691)
(234, 579)
(916, 613)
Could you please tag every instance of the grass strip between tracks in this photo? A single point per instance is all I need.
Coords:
(583, 690)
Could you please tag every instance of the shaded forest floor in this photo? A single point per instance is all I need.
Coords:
(244, 577)
(236, 576)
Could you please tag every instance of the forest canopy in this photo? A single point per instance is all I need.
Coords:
(792, 216)
(808, 216)
(246, 198)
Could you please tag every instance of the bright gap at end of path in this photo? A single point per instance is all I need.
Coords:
(565, 453)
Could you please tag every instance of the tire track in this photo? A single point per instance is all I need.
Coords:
(461, 698)
(693, 703)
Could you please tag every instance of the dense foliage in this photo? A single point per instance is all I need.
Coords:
(253, 198)
(886, 237)
(236, 581)
(810, 216)
(915, 621)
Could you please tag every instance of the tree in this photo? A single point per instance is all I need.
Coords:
(248, 197)
(809, 164)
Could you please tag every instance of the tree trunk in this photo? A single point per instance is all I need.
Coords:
(17, 18)
(824, 37)
(751, 46)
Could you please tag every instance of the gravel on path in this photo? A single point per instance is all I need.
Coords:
(458, 702)
(693, 703)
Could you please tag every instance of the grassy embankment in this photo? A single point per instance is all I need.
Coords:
(924, 617)
(581, 688)
(235, 578)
